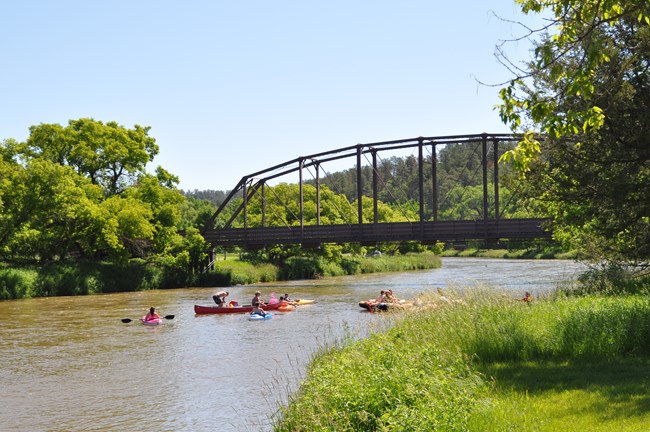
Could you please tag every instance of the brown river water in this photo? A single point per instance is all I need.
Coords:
(70, 364)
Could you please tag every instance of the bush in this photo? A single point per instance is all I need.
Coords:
(300, 267)
(351, 266)
(234, 272)
(17, 283)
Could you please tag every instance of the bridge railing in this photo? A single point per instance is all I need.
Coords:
(426, 232)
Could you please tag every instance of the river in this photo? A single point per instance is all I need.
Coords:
(70, 364)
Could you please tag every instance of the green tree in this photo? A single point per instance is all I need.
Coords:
(586, 91)
(53, 211)
(82, 191)
(468, 204)
(126, 228)
(195, 212)
(164, 206)
(108, 154)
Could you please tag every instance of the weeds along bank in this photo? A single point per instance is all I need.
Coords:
(432, 369)
(83, 278)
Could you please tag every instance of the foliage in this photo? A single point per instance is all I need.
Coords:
(53, 211)
(392, 381)
(303, 267)
(214, 197)
(195, 212)
(466, 203)
(566, 328)
(377, 264)
(587, 90)
(528, 250)
(242, 272)
(610, 279)
(108, 154)
(81, 192)
(79, 278)
(459, 166)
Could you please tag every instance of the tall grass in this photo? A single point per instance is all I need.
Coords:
(496, 329)
(234, 272)
(407, 262)
(424, 372)
(298, 267)
(79, 278)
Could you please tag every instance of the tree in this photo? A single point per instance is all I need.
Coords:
(108, 154)
(53, 212)
(587, 92)
(164, 207)
(82, 191)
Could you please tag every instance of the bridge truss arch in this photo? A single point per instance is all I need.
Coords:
(427, 229)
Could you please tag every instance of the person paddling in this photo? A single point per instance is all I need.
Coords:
(257, 300)
(152, 315)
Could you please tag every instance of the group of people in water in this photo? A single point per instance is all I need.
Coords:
(386, 296)
(257, 302)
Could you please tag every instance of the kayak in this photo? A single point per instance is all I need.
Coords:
(201, 310)
(151, 322)
(258, 317)
(286, 308)
(303, 302)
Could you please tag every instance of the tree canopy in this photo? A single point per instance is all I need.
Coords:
(82, 191)
(586, 92)
(110, 155)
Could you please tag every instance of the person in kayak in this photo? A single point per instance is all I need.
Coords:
(220, 298)
(152, 315)
(257, 300)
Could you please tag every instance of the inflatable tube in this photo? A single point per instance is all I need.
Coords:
(258, 317)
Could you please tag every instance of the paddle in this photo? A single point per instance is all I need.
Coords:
(128, 320)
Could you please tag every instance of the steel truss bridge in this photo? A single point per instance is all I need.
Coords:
(428, 229)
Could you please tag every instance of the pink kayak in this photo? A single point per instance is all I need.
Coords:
(151, 321)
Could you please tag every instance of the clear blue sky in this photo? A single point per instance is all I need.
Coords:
(233, 87)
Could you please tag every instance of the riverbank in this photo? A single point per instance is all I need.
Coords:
(88, 277)
(533, 253)
(486, 362)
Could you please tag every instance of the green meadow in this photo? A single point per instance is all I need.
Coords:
(486, 362)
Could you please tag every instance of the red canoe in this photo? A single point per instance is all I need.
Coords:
(200, 310)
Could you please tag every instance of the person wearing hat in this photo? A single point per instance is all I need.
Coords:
(257, 301)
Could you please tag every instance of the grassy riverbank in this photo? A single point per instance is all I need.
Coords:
(530, 253)
(487, 363)
(87, 277)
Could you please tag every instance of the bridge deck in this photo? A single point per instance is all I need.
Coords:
(426, 232)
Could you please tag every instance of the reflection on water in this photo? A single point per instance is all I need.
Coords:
(70, 364)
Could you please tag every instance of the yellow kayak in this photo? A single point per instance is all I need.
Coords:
(302, 302)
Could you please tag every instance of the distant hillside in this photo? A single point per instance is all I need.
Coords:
(215, 197)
